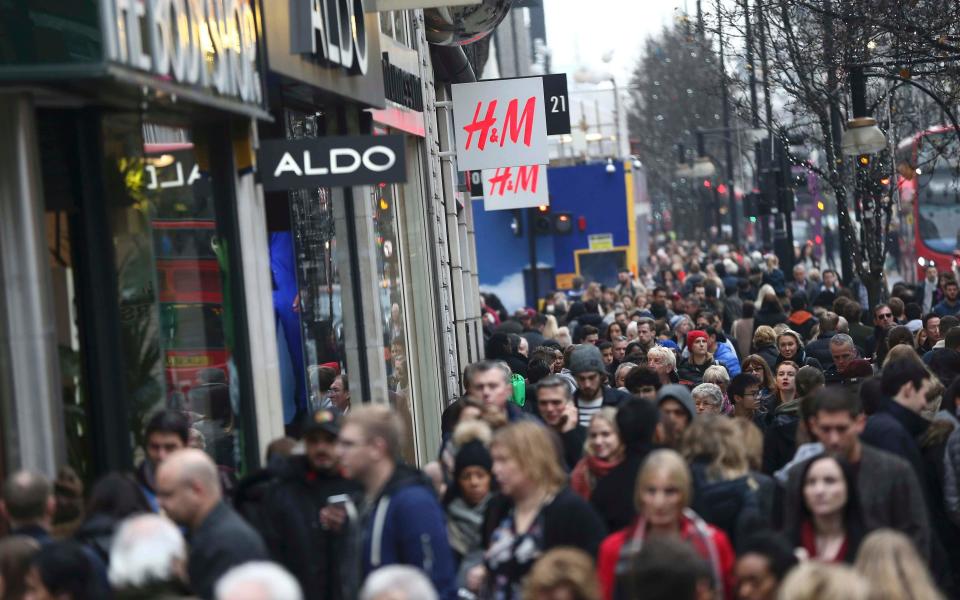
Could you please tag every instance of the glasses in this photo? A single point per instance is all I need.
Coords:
(885, 316)
(756, 369)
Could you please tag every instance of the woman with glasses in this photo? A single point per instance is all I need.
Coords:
(755, 365)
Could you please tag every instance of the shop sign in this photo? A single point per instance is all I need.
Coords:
(515, 187)
(340, 161)
(600, 241)
(331, 32)
(558, 103)
(500, 123)
(400, 86)
(208, 44)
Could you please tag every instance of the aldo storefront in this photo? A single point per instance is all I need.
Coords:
(124, 186)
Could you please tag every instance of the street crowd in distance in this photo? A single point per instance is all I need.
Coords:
(710, 427)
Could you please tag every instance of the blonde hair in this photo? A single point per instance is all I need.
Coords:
(665, 353)
(608, 415)
(752, 439)
(536, 452)
(379, 421)
(765, 290)
(561, 568)
(889, 560)
(676, 469)
(551, 329)
(823, 581)
(764, 335)
(717, 440)
(563, 337)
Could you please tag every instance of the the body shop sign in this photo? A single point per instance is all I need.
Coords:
(207, 44)
(500, 123)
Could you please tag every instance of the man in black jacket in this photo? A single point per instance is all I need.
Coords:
(301, 529)
(188, 488)
(820, 347)
(555, 405)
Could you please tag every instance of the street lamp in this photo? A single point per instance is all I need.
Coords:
(862, 136)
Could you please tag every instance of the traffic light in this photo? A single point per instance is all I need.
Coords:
(542, 222)
(775, 177)
(562, 223)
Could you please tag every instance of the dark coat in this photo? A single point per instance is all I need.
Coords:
(688, 371)
(889, 492)
(770, 354)
(573, 442)
(780, 436)
(404, 525)
(733, 505)
(820, 349)
(292, 530)
(222, 541)
(567, 521)
(895, 429)
(613, 496)
(771, 316)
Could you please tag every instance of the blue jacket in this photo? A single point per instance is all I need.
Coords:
(406, 525)
(943, 309)
(728, 358)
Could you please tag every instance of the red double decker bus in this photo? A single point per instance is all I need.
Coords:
(928, 165)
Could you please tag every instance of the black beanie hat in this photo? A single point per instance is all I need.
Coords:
(472, 454)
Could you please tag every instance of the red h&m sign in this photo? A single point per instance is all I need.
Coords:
(515, 187)
(500, 123)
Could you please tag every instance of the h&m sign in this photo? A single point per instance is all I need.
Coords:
(340, 161)
(208, 44)
(330, 31)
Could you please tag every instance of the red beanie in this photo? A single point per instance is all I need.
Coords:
(693, 335)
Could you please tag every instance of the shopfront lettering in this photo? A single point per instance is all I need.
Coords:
(401, 87)
(331, 162)
(210, 44)
(330, 31)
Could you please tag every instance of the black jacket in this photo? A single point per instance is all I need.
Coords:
(770, 354)
(733, 505)
(222, 541)
(688, 371)
(895, 429)
(820, 349)
(292, 530)
(573, 442)
(613, 496)
(567, 521)
(772, 318)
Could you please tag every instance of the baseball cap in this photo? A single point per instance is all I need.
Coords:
(325, 420)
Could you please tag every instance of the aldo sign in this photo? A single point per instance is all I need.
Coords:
(331, 32)
(340, 161)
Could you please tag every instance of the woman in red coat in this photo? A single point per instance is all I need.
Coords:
(662, 496)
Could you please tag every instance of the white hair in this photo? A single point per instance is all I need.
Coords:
(710, 391)
(397, 582)
(145, 550)
(270, 581)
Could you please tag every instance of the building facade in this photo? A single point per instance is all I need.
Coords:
(144, 267)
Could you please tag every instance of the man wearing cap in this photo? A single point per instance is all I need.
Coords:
(676, 404)
(593, 393)
(303, 529)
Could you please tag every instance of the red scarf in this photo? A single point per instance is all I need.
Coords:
(587, 472)
(808, 539)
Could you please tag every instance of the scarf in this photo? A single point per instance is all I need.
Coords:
(465, 524)
(587, 472)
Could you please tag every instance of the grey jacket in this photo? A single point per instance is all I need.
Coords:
(951, 476)
(890, 496)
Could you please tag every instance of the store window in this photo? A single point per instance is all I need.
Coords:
(307, 296)
(385, 198)
(396, 24)
(173, 273)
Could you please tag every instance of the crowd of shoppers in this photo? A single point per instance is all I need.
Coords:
(708, 428)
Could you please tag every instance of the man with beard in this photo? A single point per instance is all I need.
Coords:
(302, 528)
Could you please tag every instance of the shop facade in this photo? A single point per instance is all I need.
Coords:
(143, 266)
(124, 272)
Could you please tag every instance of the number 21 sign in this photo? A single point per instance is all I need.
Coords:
(500, 123)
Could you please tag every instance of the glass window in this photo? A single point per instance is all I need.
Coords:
(173, 275)
(307, 295)
(392, 303)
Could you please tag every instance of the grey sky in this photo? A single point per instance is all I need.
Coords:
(581, 32)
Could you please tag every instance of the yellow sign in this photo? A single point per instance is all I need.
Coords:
(600, 241)
(180, 361)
